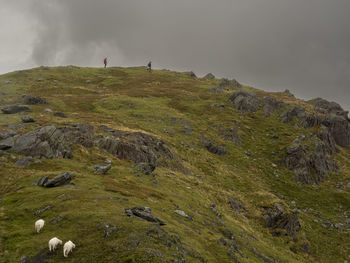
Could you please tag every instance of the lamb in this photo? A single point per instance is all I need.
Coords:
(53, 243)
(39, 224)
(67, 248)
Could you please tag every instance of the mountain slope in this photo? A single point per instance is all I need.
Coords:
(220, 178)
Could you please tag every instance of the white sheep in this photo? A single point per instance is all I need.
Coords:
(53, 243)
(39, 224)
(67, 248)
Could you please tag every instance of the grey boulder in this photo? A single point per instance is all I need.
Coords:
(15, 109)
(60, 179)
(102, 168)
(143, 213)
(245, 101)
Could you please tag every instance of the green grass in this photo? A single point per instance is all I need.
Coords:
(163, 103)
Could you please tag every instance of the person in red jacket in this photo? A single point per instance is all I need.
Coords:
(105, 62)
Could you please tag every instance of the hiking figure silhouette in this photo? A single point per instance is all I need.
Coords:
(105, 62)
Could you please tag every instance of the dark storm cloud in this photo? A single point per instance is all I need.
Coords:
(271, 44)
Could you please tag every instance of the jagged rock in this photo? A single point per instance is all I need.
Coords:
(245, 101)
(310, 166)
(289, 114)
(41, 181)
(7, 144)
(102, 168)
(137, 147)
(339, 127)
(271, 105)
(237, 206)
(42, 210)
(209, 76)
(144, 213)
(288, 93)
(144, 168)
(24, 162)
(277, 218)
(191, 74)
(33, 100)
(226, 83)
(213, 148)
(182, 213)
(15, 109)
(27, 119)
(60, 114)
(7, 134)
(60, 179)
(47, 142)
(328, 107)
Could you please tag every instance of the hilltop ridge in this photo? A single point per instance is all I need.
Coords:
(134, 166)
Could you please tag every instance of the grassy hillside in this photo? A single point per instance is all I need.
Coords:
(180, 110)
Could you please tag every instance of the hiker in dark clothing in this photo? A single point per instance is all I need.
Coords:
(149, 66)
(105, 62)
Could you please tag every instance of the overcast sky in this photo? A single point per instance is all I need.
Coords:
(300, 45)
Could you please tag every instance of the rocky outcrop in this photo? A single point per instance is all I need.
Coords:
(226, 83)
(209, 76)
(237, 206)
(45, 142)
(102, 168)
(230, 134)
(33, 100)
(59, 180)
(276, 218)
(339, 128)
(143, 213)
(271, 105)
(328, 107)
(60, 114)
(191, 74)
(310, 158)
(295, 112)
(15, 109)
(136, 147)
(245, 101)
(214, 148)
(7, 143)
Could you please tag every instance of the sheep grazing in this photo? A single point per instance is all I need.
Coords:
(67, 248)
(53, 243)
(39, 224)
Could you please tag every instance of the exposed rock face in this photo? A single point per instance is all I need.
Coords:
(60, 179)
(213, 148)
(144, 168)
(209, 76)
(191, 74)
(311, 166)
(15, 109)
(245, 101)
(327, 107)
(271, 105)
(294, 112)
(277, 218)
(7, 134)
(136, 146)
(226, 83)
(33, 100)
(41, 182)
(7, 143)
(144, 213)
(339, 128)
(45, 142)
(102, 168)
(237, 206)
